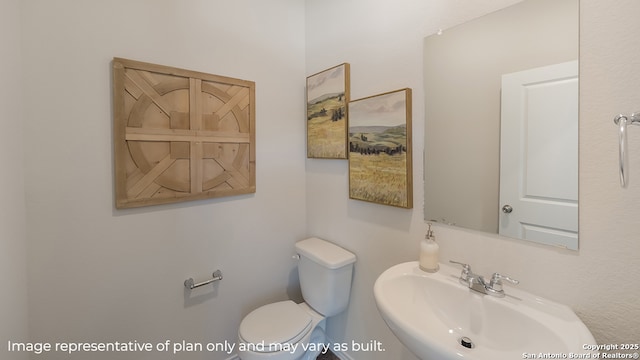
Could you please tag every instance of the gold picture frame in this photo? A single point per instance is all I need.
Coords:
(327, 116)
(380, 155)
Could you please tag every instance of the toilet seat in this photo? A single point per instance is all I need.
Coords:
(283, 322)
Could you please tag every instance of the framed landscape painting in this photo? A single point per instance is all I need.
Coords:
(327, 118)
(380, 149)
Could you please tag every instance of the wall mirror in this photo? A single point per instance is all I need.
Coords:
(501, 127)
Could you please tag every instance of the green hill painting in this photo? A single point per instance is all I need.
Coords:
(327, 98)
(380, 149)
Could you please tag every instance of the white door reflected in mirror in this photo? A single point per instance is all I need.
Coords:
(539, 155)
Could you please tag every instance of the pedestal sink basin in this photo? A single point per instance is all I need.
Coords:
(437, 318)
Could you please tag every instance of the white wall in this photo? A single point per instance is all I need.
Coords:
(609, 232)
(382, 41)
(100, 274)
(13, 247)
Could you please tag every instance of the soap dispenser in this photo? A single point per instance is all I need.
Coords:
(429, 253)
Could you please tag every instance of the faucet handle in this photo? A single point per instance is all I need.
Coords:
(495, 284)
(497, 277)
(466, 269)
(464, 266)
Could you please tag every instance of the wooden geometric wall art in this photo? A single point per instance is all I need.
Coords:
(181, 135)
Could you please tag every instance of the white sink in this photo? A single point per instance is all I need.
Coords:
(430, 313)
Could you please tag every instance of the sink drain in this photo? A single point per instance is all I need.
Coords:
(466, 342)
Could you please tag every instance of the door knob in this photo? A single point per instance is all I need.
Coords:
(507, 209)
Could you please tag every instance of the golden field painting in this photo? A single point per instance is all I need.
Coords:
(327, 118)
(380, 149)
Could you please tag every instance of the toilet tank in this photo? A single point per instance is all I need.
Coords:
(325, 271)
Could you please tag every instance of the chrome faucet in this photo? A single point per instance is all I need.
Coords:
(480, 284)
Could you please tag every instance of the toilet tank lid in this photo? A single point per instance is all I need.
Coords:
(325, 253)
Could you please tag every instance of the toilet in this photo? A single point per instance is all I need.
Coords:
(288, 331)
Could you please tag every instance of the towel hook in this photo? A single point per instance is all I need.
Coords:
(622, 121)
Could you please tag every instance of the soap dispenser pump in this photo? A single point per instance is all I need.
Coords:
(429, 252)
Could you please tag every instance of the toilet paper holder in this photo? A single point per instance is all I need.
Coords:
(190, 284)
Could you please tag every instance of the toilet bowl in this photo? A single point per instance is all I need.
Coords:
(281, 331)
(288, 331)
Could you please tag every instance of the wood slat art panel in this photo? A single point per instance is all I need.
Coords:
(181, 135)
